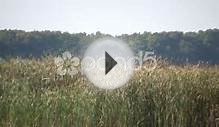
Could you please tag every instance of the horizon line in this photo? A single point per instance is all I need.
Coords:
(131, 33)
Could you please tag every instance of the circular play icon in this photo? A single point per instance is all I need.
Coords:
(108, 63)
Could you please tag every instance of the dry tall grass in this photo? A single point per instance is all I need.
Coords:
(32, 94)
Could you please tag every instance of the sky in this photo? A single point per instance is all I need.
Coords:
(109, 16)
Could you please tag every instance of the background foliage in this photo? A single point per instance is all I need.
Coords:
(179, 47)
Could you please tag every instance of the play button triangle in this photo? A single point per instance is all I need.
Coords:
(109, 62)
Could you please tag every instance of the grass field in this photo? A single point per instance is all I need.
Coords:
(32, 94)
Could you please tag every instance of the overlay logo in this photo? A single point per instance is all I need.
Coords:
(67, 64)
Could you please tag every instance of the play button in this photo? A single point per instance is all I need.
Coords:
(108, 63)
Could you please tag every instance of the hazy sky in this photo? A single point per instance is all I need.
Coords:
(109, 16)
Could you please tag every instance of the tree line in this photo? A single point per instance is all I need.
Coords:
(178, 47)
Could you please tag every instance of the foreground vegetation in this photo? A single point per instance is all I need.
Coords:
(32, 94)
